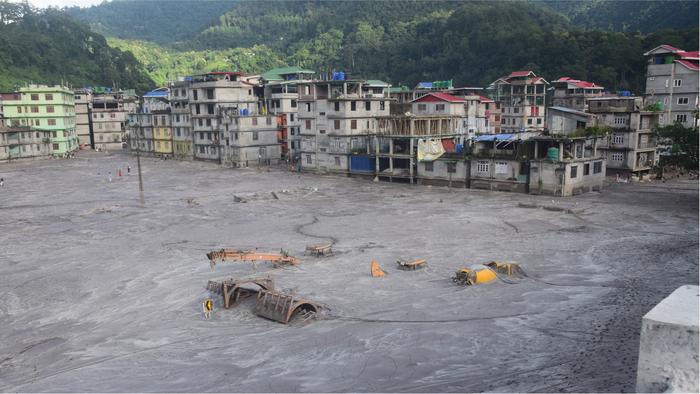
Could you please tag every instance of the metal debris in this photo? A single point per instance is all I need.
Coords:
(319, 250)
(282, 258)
(282, 307)
(411, 265)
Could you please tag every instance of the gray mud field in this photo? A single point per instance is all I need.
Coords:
(99, 293)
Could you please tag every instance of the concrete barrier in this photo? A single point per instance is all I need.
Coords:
(668, 345)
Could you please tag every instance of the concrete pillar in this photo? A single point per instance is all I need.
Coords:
(391, 146)
(536, 149)
(561, 151)
(668, 344)
(595, 147)
(411, 161)
(376, 155)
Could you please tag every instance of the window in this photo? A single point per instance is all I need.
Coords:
(368, 105)
(36, 122)
(51, 122)
(353, 106)
(209, 135)
(451, 167)
(291, 117)
(421, 107)
(618, 139)
(55, 146)
(48, 96)
(50, 109)
(529, 120)
(19, 110)
(200, 122)
(682, 118)
(35, 110)
(336, 124)
(201, 149)
(308, 159)
(294, 103)
(616, 157)
(337, 161)
(682, 101)
(201, 135)
(620, 120)
(37, 135)
(353, 124)
(516, 110)
(439, 107)
(574, 171)
(336, 106)
(35, 97)
(482, 166)
(208, 121)
(308, 107)
(586, 169)
(539, 120)
(322, 131)
(255, 136)
(382, 105)
(429, 166)
(210, 109)
(268, 121)
(677, 82)
(308, 125)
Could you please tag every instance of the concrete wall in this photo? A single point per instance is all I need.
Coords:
(439, 172)
(555, 178)
(668, 344)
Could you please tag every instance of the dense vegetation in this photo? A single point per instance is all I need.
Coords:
(404, 42)
(49, 47)
(160, 21)
(629, 15)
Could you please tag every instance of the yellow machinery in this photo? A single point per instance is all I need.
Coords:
(485, 273)
(376, 270)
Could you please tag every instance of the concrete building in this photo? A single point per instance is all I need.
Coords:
(572, 93)
(180, 120)
(250, 139)
(44, 108)
(522, 99)
(207, 95)
(672, 84)
(83, 117)
(162, 133)
(631, 145)
(141, 122)
(338, 117)
(281, 95)
(109, 117)
(405, 145)
(567, 121)
(24, 142)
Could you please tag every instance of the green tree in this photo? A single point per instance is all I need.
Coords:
(684, 144)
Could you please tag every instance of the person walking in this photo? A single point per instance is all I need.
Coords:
(128, 170)
(2, 182)
(109, 177)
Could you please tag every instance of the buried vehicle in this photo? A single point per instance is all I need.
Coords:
(485, 273)
(411, 265)
(282, 307)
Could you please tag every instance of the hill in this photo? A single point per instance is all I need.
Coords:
(50, 47)
(160, 21)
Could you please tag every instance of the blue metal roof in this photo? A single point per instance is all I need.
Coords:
(495, 137)
(160, 92)
(425, 85)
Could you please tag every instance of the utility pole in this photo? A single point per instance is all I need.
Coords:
(138, 154)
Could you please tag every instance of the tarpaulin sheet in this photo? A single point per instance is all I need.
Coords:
(449, 145)
(430, 150)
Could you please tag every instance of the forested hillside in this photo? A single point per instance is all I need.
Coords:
(49, 47)
(160, 21)
(629, 15)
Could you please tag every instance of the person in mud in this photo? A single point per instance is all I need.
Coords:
(207, 306)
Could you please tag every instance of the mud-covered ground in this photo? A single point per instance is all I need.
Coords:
(99, 293)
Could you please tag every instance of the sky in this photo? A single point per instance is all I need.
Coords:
(62, 3)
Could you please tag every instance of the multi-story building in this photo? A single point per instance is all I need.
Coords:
(109, 117)
(522, 97)
(180, 120)
(44, 108)
(207, 95)
(631, 146)
(281, 95)
(83, 117)
(23, 142)
(572, 93)
(141, 122)
(337, 118)
(162, 133)
(672, 84)
(250, 138)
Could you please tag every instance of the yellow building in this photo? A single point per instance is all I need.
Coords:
(162, 134)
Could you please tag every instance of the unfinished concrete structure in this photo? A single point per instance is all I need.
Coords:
(572, 93)
(207, 95)
(109, 117)
(23, 142)
(631, 146)
(337, 119)
(672, 84)
(522, 97)
(281, 95)
(250, 138)
(180, 120)
(83, 117)
(566, 121)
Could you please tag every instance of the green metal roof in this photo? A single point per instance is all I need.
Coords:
(376, 82)
(276, 74)
(399, 89)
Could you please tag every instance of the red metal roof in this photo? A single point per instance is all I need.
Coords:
(689, 55)
(579, 83)
(671, 48)
(439, 96)
(485, 99)
(520, 74)
(691, 65)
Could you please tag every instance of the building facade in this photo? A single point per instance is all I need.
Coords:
(83, 117)
(672, 84)
(573, 93)
(109, 118)
(45, 108)
(180, 120)
(522, 97)
(24, 142)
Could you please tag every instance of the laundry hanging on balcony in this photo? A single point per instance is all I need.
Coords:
(430, 149)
